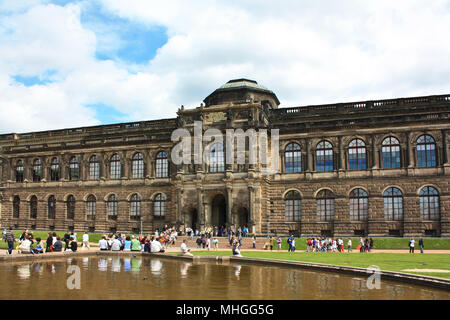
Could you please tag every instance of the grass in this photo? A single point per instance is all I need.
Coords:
(386, 261)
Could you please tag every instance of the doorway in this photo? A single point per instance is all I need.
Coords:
(218, 211)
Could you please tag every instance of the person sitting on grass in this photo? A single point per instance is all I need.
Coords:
(73, 245)
(156, 246)
(236, 251)
(135, 244)
(57, 246)
(39, 246)
(116, 244)
(25, 245)
(127, 244)
(184, 249)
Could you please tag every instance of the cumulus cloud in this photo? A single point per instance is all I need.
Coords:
(307, 52)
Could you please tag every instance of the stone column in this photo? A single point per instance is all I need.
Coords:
(251, 196)
(411, 160)
(229, 204)
(201, 208)
(341, 162)
(444, 147)
(375, 154)
(309, 155)
(179, 204)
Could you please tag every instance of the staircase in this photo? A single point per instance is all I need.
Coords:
(247, 243)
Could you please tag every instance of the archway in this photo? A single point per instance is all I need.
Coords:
(242, 217)
(218, 211)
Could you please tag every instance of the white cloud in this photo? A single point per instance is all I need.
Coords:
(307, 52)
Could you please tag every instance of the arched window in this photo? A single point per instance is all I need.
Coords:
(16, 207)
(116, 167)
(325, 205)
(113, 206)
(429, 204)
(91, 207)
(216, 158)
(359, 205)
(426, 151)
(135, 207)
(74, 169)
(94, 168)
(160, 205)
(138, 165)
(162, 165)
(390, 153)
(293, 158)
(52, 207)
(293, 206)
(19, 171)
(357, 155)
(37, 170)
(324, 156)
(70, 203)
(393, 204)
(33, 207)
(55, 170)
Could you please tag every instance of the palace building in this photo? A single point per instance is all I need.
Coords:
(375, 168)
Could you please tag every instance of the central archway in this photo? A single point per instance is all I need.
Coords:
(219, 211)
(242, 217)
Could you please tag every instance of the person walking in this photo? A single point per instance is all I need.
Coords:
(349, 245)
(289, 241)
(86, 240)
(10, 239)
(411, 245)
(421, 244)
(293, 244)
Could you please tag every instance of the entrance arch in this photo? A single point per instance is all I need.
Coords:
(191, 218)
(218, 211)
(242, 217)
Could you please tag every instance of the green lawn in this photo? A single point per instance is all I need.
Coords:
(386, 261)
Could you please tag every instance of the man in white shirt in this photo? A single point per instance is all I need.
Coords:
(103, 244)
(25, 246)
(184, 249)
(86, 240)
(349, 245)
(411, 245)
(116, 244)
(156, 246)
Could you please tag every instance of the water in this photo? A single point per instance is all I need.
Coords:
(120, 277)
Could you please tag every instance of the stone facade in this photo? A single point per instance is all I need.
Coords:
(240, 194)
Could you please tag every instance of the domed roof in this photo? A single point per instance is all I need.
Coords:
(243, 83)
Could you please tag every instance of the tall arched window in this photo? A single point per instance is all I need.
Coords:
(33, 207)
(52, 207)
(19, 171)
(91, 207)
(357, 155)
(135, 207)
(390, 153)
(359, 205)
(426, 151)
(138, 165)
(293, 206)
(216, 158)
(55, 170)
(74, 169)
(70, 203)
(393, 204)
(293, 158)
(325, 205)
(429, 203)
(37, 170)
(16, 207)
(160, 205)
(116, 167)
(162, 165)
(94, 168)
(113, 207)
(324, 156)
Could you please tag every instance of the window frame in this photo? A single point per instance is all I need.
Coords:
(323, 150)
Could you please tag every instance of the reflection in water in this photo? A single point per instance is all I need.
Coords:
(156, 266)
(102, 264)
(131, 277)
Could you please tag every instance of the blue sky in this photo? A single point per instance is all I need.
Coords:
(76, 63)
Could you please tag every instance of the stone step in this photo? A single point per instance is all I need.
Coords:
(247, 243)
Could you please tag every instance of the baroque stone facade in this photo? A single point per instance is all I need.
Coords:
(373, 168)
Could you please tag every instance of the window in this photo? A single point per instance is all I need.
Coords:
(293, 206)
(393, 204)
(91, 207)
(74, 169)
(135, 207)
(113, 206)
(16, 207)
(138, 165)
(216, 158)
(33, 207)
(70, 203)
(324, 156)
(293, 158)
(19, 171)
(325, 205)
(390, 153)
(359, 205)
(52, 207)
(426, 151)
(116, 167)
(429, 203)
(162, 165)
(37, 170)
(160, 205)
(94, 168)
(55, 170)
(357, 155)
